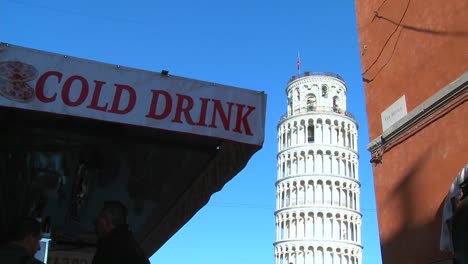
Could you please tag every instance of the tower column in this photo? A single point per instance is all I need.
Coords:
(317, 209)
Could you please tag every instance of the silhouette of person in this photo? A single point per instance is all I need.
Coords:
(23, 243)
(116, 244)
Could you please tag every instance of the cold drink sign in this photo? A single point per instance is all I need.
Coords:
(43, 81)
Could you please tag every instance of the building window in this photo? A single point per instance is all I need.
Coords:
(311, 103)
(336, 104)
(324, 91)
(310, 133)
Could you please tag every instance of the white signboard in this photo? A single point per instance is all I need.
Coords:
(394, 113)
(42, 81)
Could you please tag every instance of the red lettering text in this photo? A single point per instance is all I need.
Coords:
(203, 107)
(67, 87)
(214, 110)
(154, 105)
(131, 101)
(41, 83)
(242, 119)
(95, 100)
(185, 110)
(218, 108)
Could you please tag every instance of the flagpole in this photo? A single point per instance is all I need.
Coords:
(298, 64)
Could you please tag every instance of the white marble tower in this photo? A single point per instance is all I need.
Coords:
(318, 220)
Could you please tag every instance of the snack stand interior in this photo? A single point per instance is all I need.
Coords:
(61, 168)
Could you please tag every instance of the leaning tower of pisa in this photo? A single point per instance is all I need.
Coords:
(318, 220)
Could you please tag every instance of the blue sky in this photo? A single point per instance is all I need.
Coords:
(248, 44)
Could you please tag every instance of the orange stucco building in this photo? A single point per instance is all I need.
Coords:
(414, 58)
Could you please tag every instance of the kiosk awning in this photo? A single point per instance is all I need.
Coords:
(81, 132)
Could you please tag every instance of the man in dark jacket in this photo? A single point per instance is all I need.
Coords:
(116, 245)
(24, 242)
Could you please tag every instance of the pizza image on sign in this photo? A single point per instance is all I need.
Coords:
(14, 78)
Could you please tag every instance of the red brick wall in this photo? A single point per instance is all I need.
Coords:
(411, 184)
(428, 51)
(418, 58)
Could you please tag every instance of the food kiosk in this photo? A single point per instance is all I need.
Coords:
(78, 132)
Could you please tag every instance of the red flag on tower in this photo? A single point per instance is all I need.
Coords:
(298, 62)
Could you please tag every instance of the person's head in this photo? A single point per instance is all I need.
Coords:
(26, 232)
(113, 214)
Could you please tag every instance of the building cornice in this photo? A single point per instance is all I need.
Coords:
(441, 101)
